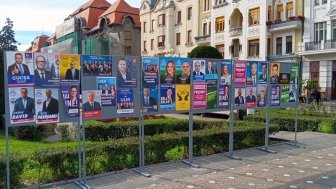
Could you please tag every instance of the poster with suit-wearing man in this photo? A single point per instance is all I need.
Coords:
(91, 104)
(46, 105)
(70, 65)
(20, 68)
(47, 69)
(21, 104)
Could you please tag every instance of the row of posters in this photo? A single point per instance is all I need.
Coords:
(51, 69)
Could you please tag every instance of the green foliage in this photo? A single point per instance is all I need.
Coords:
(7, 36)
(16, 162)
(31, 133)
(312, 85)
(64, 131)
(205, 52)
(327, 127)
(175, 153)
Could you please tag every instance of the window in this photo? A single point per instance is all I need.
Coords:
(333, 29)
(320, 31)
(206, 5)
(220, 24)
(178, 38)
(269, 13)
(219, 2)
(127, 36)
(152, 44)
(315, 71)
(268, 46)
(178, 20)
(279, 45)
(128, 50)
(205, 27)
(189, 35)
(161, 41)
(144, 45)
(220, 48)
(324, 1)
(162, 20)
(317, 2)
(144, 27)
(189, 13)
(254, 16)
(289, 44)
(209, 27)
(289, 11)
(254, 48)
(279, 12)
(152, 29)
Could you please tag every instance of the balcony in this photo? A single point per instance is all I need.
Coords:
(315, 45)
(291, 23)
(281, 56)
(221, 4)
(219, 37)
(203, 39)
(236, 31)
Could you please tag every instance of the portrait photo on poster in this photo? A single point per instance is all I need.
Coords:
(21, 104)
(126, 71)
(167, 70)
(47, 69)
(226, 73)
(47, 105)
(70, 94)
(262, 72)
(239, 96)
(70, 65)
(96, 65)
(167, 97)
(108, 90)
(183, 70)
(211, 76)
(275, 70)
(91, 104)
(262, 95)
(20, 68)
(251, 73)
(198, 70)
(149, 100)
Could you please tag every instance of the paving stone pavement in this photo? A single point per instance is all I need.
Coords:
(313, 166)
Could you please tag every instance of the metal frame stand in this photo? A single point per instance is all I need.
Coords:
(189, 161)
(295, 142)
(7, 158)
(265, 148)
(141, 168)
(230, 154)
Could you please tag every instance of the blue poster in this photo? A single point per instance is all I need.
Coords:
(226, 73)
(262, 72)
(251, 73)
(20, 68)
(168, 70)
(275, 95)
(96, 65)
(126, 71)
(223, 97)
(125, 104)
(211, 72)
(108, 90)
(167, 98)
(150, 74)
(70, 94)
(198, 70)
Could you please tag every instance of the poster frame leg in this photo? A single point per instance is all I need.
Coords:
(7, 159)
(265, 148)
(189, 161)
(295, 142)
(141, 169)
(231, 135)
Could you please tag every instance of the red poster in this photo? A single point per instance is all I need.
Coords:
(199, 96)
(239, 73)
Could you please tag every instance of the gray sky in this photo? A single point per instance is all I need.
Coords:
(31, 18)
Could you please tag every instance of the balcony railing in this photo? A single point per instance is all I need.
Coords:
(316, 45)
(281, 56)
(292, 22)
(203, 39)
(236, 31)
(220, 4)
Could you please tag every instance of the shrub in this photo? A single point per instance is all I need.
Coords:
(327, 127)
(31, 133)
(205, 52)
(16, 162)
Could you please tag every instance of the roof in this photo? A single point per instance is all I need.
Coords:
(100, 4)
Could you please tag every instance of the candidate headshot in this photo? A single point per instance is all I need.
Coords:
(148, 100)
(263, 73)
(185, 78)
(72, 73)
(251, 97)
(24, 104)
(197, 68)
(91, 104)
(210, 68)
(18, 68)
(41, 74)
(50, 105)
(253, 75)
(170, 73)
(239, 99)
(274, 73)
(261, 102)
(73, 91)
(122, 74)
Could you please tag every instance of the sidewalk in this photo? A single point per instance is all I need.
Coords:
(311, 167)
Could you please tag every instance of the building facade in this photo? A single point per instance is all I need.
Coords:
(169, 27)
(257, 29)
(319, 45)
(204, 27)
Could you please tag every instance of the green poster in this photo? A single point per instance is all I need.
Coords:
(294, 77)
(211, 96)
(284, 93)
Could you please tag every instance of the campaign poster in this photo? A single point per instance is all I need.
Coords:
(96, 65)
(251, 73)
(275, 95)
(262, 95)
(150, 98)
(167, 97)
(223, 96)
(211, 72)
(46, 105)
(294, 77)
(284, 93)
(275, 69)
(199, 96)
(168, 70)
(262, 72)
(47, 69)
(284, 78)
(240, 97)
(91, 104)
(70, 65)
(226, 73)
(126, 71)
(239, 73)
(198, 70)
(211, 96)
(20, 68)
(70, 93)
(182, 97)
(108, 90)
(183, 71)
(125, 104)
(292, 93)
(21, 104)
(251, 97)
(150, 71)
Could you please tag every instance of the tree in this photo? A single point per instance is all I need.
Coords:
(7, 36)
(205, 52)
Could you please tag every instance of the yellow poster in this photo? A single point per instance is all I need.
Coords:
(182, 97)
(69, 65)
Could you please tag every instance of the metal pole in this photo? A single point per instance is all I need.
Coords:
(191, 145)
(7, 158)
(79, 152)
(84, 154)
(142, 144)
(296, 125)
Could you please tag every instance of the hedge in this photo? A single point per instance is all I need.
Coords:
(122, 153)
(16, 162)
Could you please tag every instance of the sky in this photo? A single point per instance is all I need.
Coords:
(33, 18)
